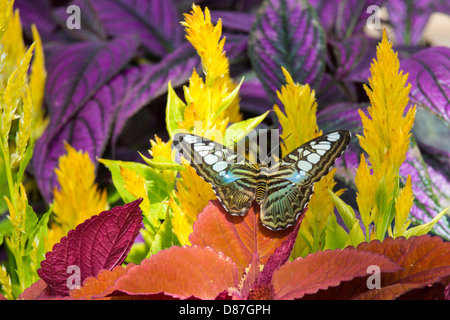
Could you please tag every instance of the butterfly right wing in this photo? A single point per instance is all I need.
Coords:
(232, 177)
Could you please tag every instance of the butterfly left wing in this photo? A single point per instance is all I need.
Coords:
(290, 182)
(232, 177)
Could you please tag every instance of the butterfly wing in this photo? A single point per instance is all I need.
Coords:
(232, 177)
(290, 182)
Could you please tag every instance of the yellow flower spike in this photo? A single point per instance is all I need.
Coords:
(386, 140)
(6, 12)
(78, 197)
(403, 205)
(5, 283)
(12, 94)
(38, 77)
(205, 37)
(135, 184)
(300, 106)
(13, 42)
(181, 223)
(193, 192)
(25, 128)
(365, 196)
(204, 99)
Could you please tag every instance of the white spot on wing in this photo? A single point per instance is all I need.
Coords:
(333, 136)
(313, 158)
(210, 159)
(219, 166)
(322, 146)
(321, 152)
(190, 139)
(304, 165)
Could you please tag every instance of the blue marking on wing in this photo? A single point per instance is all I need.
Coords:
(297, 177)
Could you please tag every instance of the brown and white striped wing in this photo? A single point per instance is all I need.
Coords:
(232, 177)
(290, 183)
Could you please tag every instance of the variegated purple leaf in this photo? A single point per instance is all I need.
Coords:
(77, 71)
(410, 17)
(253, 97)
(154, 21)
(176, 67)
(113, 104)
(38, 12)
(353, 54)
(287, 34)
(429, 75)
(88, 130)
(91, 28)
(343, 18)
(234, 20)
(431, 188)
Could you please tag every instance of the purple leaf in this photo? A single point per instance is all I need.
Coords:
(175, 67)
(77, 116)
(234, 20)
(88, 129)
(410, 17)
(101, 242)
(253, 97)
(343, 18)
(287, 33)
(352, 56)
(429, 75)
(431, 188)
(76, 72)
(154, 21)
(38, 12)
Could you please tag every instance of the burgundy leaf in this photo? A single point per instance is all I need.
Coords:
(287, 34)
(101, 242)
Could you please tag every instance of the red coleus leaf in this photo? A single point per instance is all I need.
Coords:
(101, 242)
(325, 269)
(425, 261)
(237, 237)
(178, 272)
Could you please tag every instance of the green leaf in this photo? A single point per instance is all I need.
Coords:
(24, 163)
(227, 101)
(165, 238)
(158, 187)
(335, 236)
(237, 131)
(346, 211)
(162, 163)
(424, 228)
(174, 111)
(355, 236)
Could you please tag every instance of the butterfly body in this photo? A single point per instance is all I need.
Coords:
(282, 189)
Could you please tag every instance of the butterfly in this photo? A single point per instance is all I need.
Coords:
(282, 189)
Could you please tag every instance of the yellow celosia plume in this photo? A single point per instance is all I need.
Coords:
(78, 197)
(387, 132)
